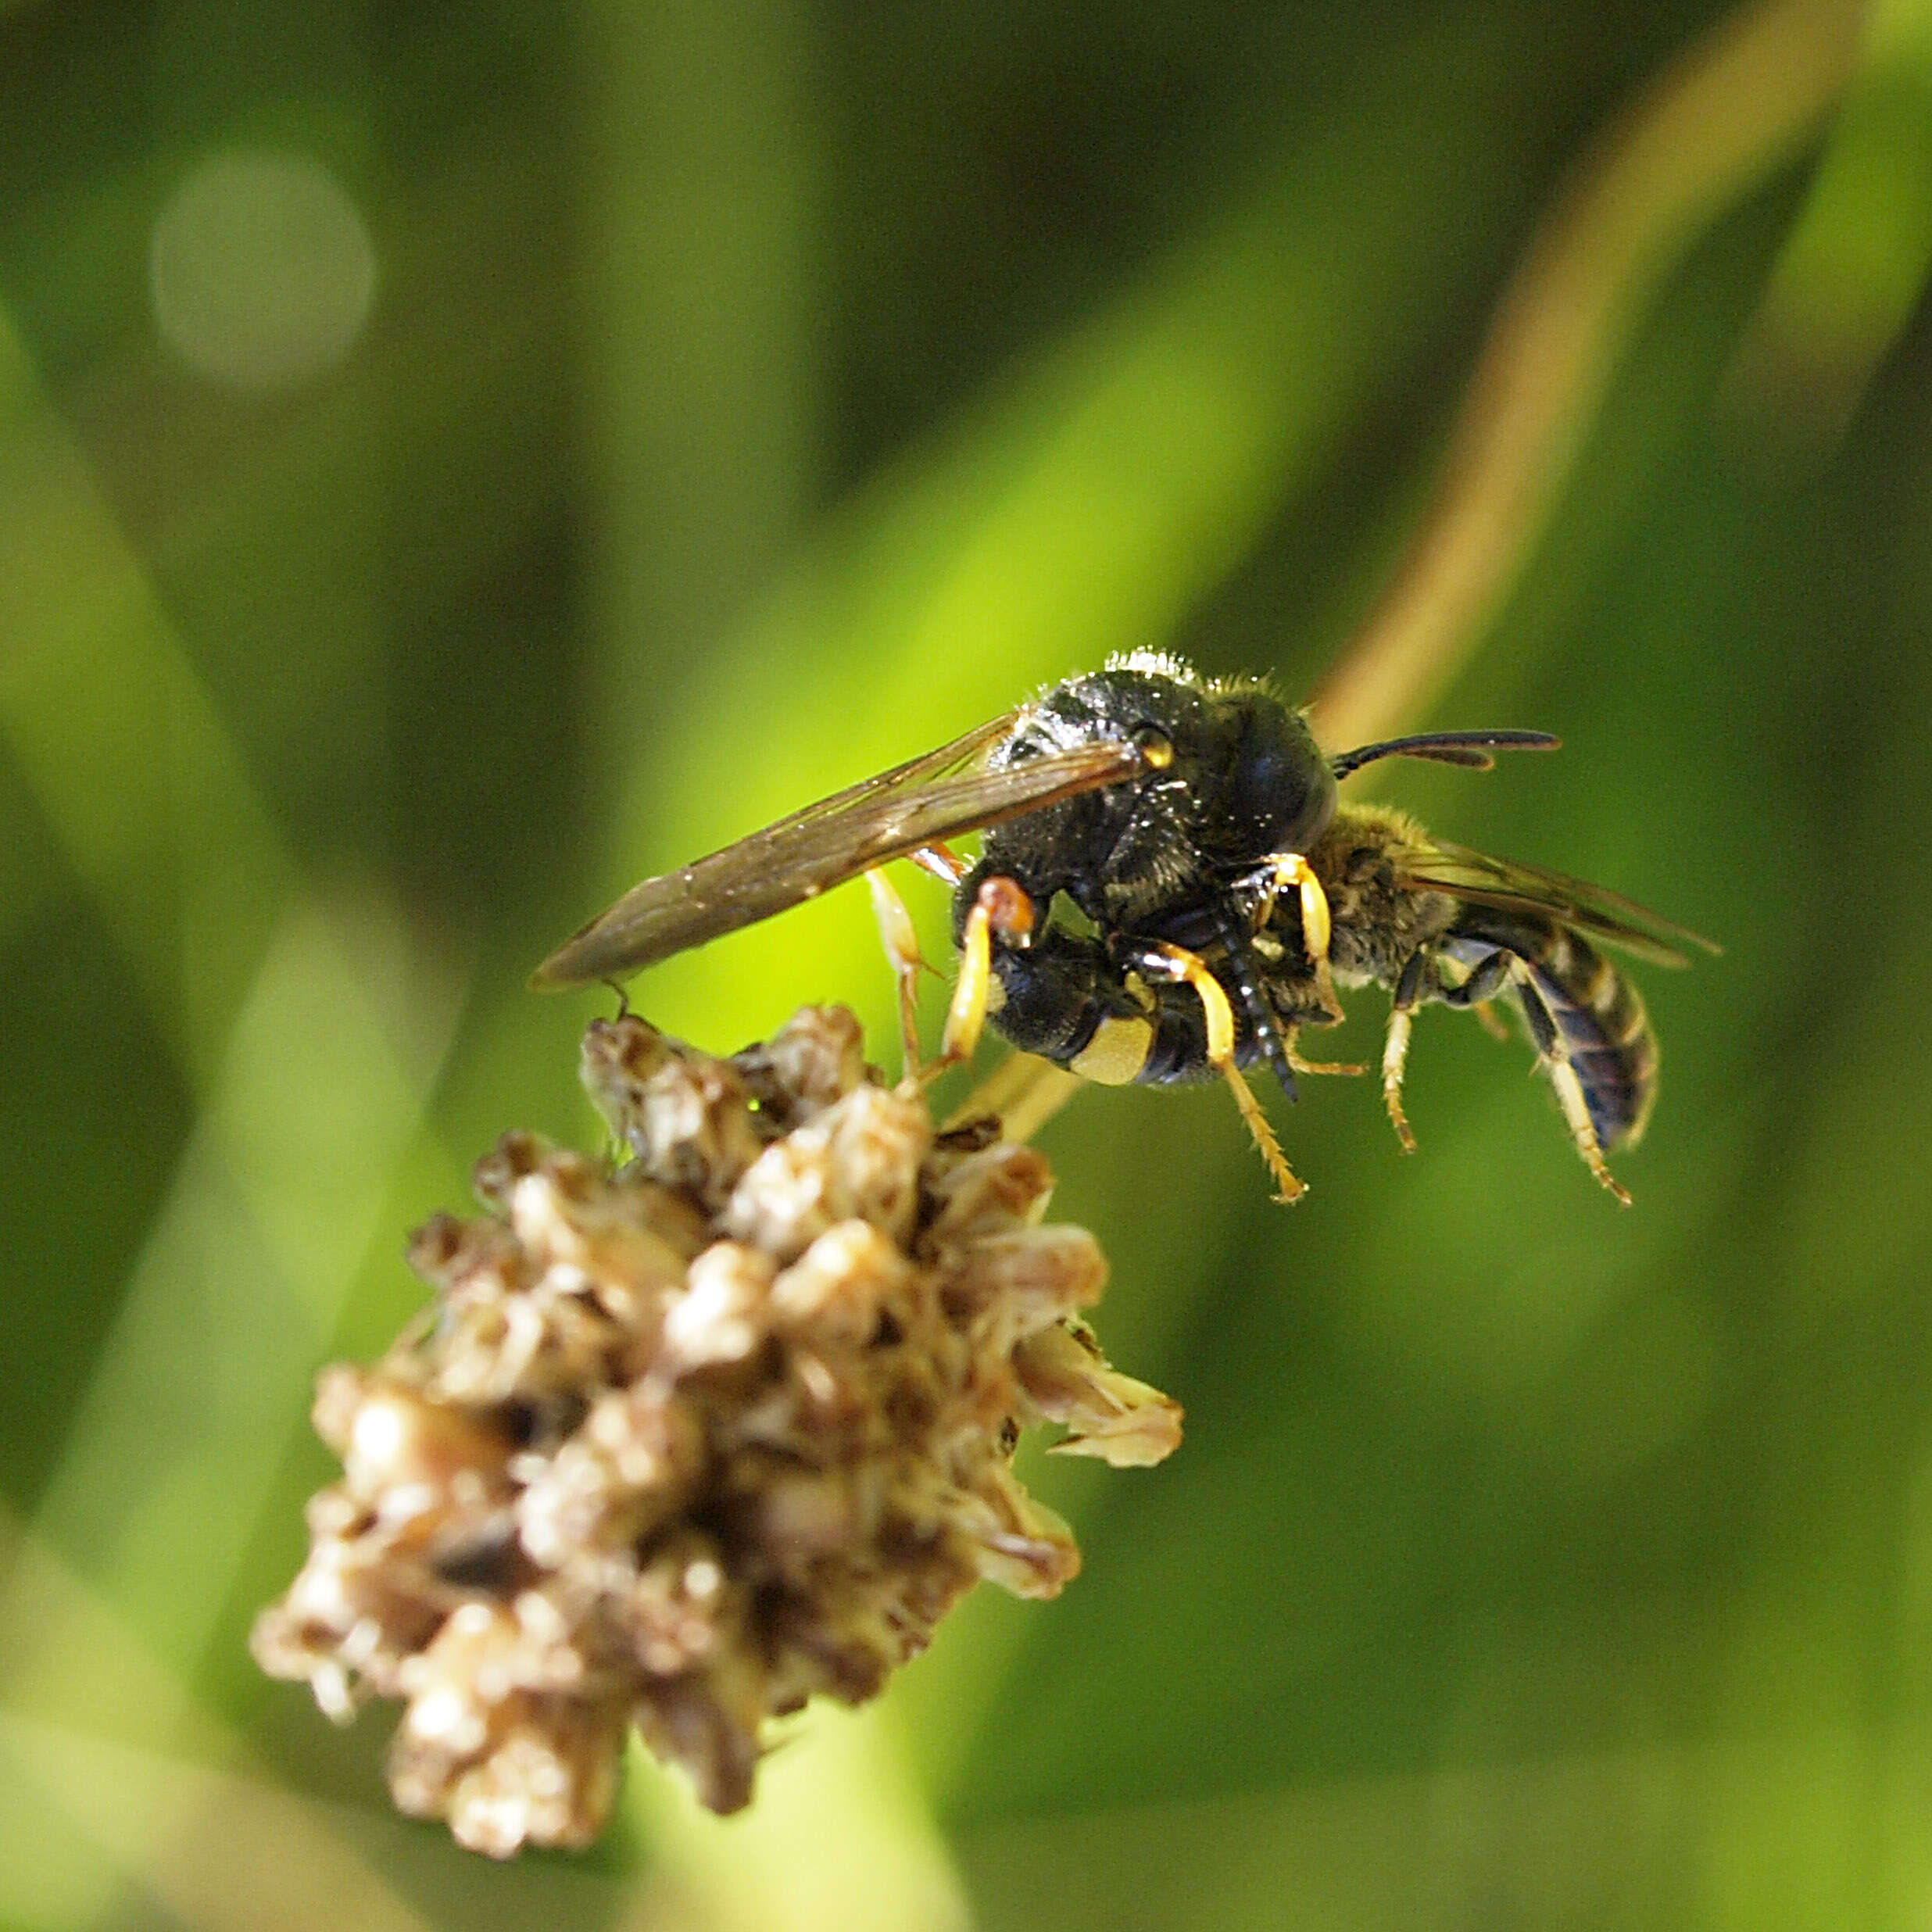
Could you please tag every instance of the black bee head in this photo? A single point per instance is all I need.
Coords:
(1264, 785)
(1255, 779)
(1233, 775)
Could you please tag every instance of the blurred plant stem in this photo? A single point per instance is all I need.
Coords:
(1728, 113)
(1854, 264)
(705, 283)
(279, 1020)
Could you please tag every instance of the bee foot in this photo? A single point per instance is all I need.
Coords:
(1569, 1094)
(1394, 1061)
(1325, 1066)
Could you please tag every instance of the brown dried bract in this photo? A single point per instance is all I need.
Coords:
(686, 1442)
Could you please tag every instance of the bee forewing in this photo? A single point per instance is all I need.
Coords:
(880, 818)
(1509, 885)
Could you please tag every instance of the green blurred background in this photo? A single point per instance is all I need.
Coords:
(453, 461)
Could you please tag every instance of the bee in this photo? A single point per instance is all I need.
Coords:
(1170, 887)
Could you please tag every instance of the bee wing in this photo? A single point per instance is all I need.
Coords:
(1511, 887)
(936, 796)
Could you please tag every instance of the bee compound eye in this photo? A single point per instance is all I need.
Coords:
(1155, 747)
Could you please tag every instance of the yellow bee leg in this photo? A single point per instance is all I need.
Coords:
(1569, 1094)
(1000, 907)
(1553, 1057)
(966, 1011)
(1408, 989)
(1493, 1024)
(901, 942)
(1290, 869)
(1316, 1066)
(1394, 1061)
(1180, 963)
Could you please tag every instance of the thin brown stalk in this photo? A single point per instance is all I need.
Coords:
(1729, 110)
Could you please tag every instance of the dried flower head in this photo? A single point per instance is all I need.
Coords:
(683, 1442)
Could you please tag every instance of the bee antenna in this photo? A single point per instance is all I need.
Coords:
(1470, 749)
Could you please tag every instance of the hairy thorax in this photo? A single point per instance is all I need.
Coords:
(1379, 919)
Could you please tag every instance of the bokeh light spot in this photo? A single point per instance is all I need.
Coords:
(263, 270)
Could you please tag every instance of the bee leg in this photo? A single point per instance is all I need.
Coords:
(1409, 987)
(1478, 993)
(1419, 980)
(1238, 943)
(1175, 962)
(1553, 1057)
(945, 864)
(1001, 909)
(1493, 1024)
(1316, 1066)
(1290, 869)
(901, 942)
(1491, 975)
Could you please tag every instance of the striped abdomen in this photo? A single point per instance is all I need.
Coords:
(1604, 1030)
